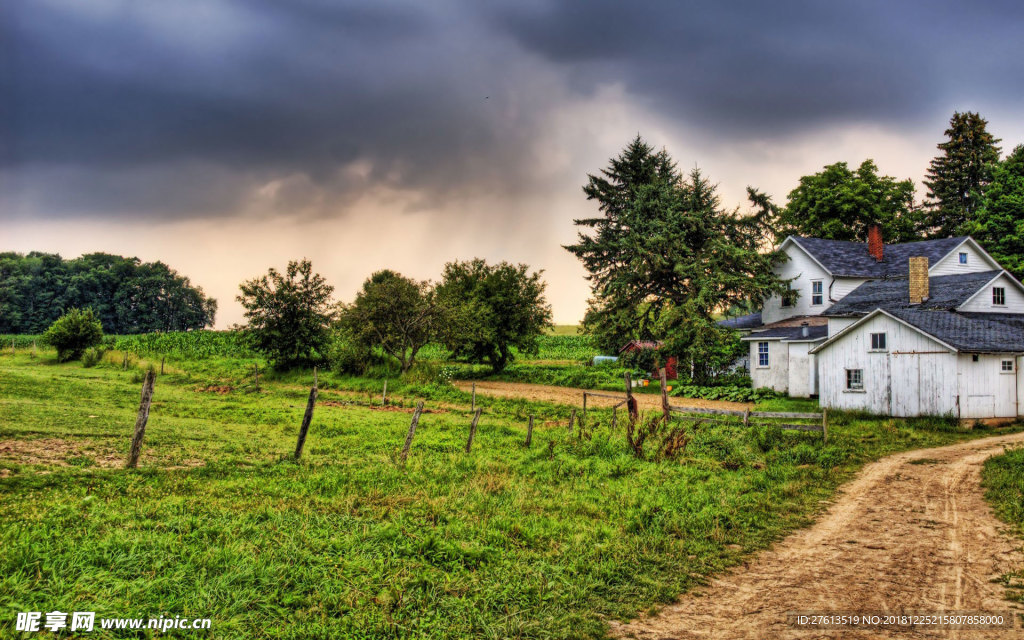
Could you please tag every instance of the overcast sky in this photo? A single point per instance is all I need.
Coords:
(227, 136)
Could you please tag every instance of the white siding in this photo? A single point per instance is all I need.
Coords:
(835, 325)
(950, 263)
(1020, 385)
(776, 374)
(843, 286)
(804, 269)
(985, 391)
(803, 370)
(916, 376)
(982, 301)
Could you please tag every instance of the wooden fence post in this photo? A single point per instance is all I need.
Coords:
(141, 420)
(615, 416)
(583, 417)
(162, 358)
(12, 347)
(472, 430)
(384, 396)
(256, 374)
(472, 406)
(664, 395)
(630, 401)
(824, 426)
(124, 363)
(529, 432)
(307, 418)
(746, 418)
(412, 431)
(572, 419)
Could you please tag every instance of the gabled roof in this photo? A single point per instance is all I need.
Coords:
(944, 292)
(749, 321)
(844, 258)
(974, 333)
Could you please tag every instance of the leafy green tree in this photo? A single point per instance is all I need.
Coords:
(289, 314)
(395, 314)
(840, 204)
(501, 307)
(999, 224)
(665, 256)
(73, 333)
(957, 178)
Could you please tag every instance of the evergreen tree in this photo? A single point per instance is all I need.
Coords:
(840, 204)
(665, 257)
(999, 224)
(957, 177)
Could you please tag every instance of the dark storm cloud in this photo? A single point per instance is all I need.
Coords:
(185, 108)
(767, 68)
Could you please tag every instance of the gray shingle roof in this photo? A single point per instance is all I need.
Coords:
(965, 333)
(749, 321)
(817, 332)
(851, 259)
(945, 292)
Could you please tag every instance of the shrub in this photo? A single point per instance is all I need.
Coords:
(92, 356)
(73, 333)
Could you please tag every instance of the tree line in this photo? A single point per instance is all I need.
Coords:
(126, 295)
(665, 259)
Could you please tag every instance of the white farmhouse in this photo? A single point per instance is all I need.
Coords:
(921, 328)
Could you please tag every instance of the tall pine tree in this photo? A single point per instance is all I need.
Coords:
(999, 225)
(957, 177)
(665, 257)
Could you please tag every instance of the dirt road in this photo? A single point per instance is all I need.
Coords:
(911, 533)
(571, 396)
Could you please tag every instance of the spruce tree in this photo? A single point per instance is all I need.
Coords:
(999, 225)
(958, 176)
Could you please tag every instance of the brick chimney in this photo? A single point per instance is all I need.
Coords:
(875, 245)
(918, 269)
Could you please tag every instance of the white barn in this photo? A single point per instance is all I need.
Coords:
(922, 328)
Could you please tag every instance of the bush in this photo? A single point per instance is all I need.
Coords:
(92, 356)
(73, 333)
(731, 393)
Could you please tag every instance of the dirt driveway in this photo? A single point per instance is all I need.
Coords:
(911, 533)
(571, 396)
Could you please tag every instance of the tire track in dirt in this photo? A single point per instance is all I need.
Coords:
(912, 532)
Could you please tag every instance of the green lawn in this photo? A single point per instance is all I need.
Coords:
(1003, 480)
(506, 542)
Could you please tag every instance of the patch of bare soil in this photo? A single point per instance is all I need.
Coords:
(912, 533)
(571, 396)
(220, 390)
(55, 452)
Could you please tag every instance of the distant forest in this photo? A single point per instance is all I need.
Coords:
(128, 295)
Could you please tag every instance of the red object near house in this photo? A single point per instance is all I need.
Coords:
(671, 369)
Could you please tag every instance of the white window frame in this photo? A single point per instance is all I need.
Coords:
(852, 385)
(963, 257)
(999, 293)
(819, 295)
(1004, 369)
(884, 340)
(767, 360)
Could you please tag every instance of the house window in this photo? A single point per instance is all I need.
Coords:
(998, 296)
(878, 342)
(762, 354)
(963, 257)
(1007, 366)
(855, 379)
(817, 293)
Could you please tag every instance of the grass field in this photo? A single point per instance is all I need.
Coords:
(505, 542)
(1003, 480)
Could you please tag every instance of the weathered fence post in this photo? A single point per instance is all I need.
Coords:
(12, 347)
(141, 420)
(615, 416)
(412, 431)
(631, 407)
(472, 406)
(529, 432)
(746, 417)
(572, 419)
(664, 396)
(472, 430)
(162, 358)
(256, 374)
(124, 363)
(583, 417)
(384, 396)
(824, 426)
(307, 418)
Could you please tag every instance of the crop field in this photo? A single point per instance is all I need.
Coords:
(507, 541)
